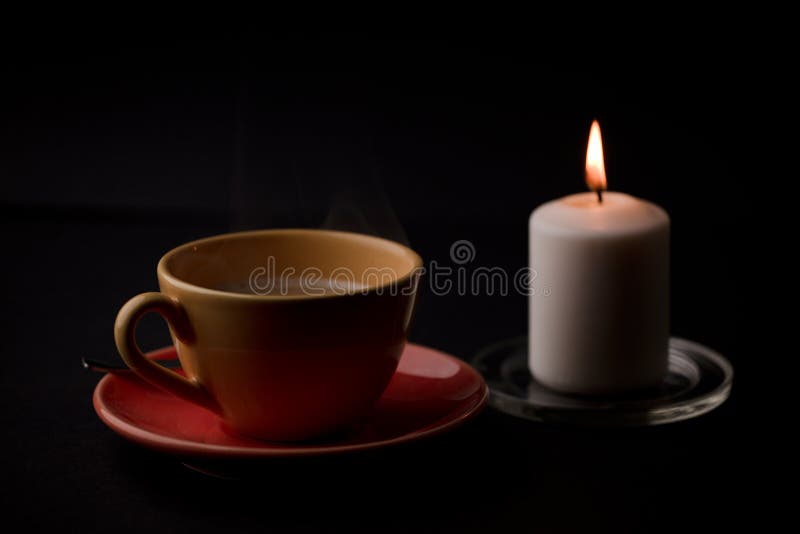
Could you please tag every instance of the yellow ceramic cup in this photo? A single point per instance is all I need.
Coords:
(300, 361)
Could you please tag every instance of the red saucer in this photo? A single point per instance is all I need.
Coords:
(430, 393)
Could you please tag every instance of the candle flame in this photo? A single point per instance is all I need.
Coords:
(595, 165)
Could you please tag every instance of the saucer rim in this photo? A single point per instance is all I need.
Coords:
(183, 447)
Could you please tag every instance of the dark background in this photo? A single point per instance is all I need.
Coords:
(116, 146)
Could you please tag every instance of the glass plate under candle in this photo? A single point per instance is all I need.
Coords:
(698, 381)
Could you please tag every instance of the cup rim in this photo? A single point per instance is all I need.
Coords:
(163, 270)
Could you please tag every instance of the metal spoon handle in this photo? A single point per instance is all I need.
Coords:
(120, 368)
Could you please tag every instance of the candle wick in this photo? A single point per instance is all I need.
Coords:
(599, 195)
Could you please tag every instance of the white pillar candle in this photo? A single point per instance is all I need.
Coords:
(599, 312)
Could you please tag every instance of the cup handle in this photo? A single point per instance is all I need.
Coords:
(188, 389)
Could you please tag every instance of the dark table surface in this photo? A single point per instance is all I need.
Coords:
(64, 468)
(112, 155)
